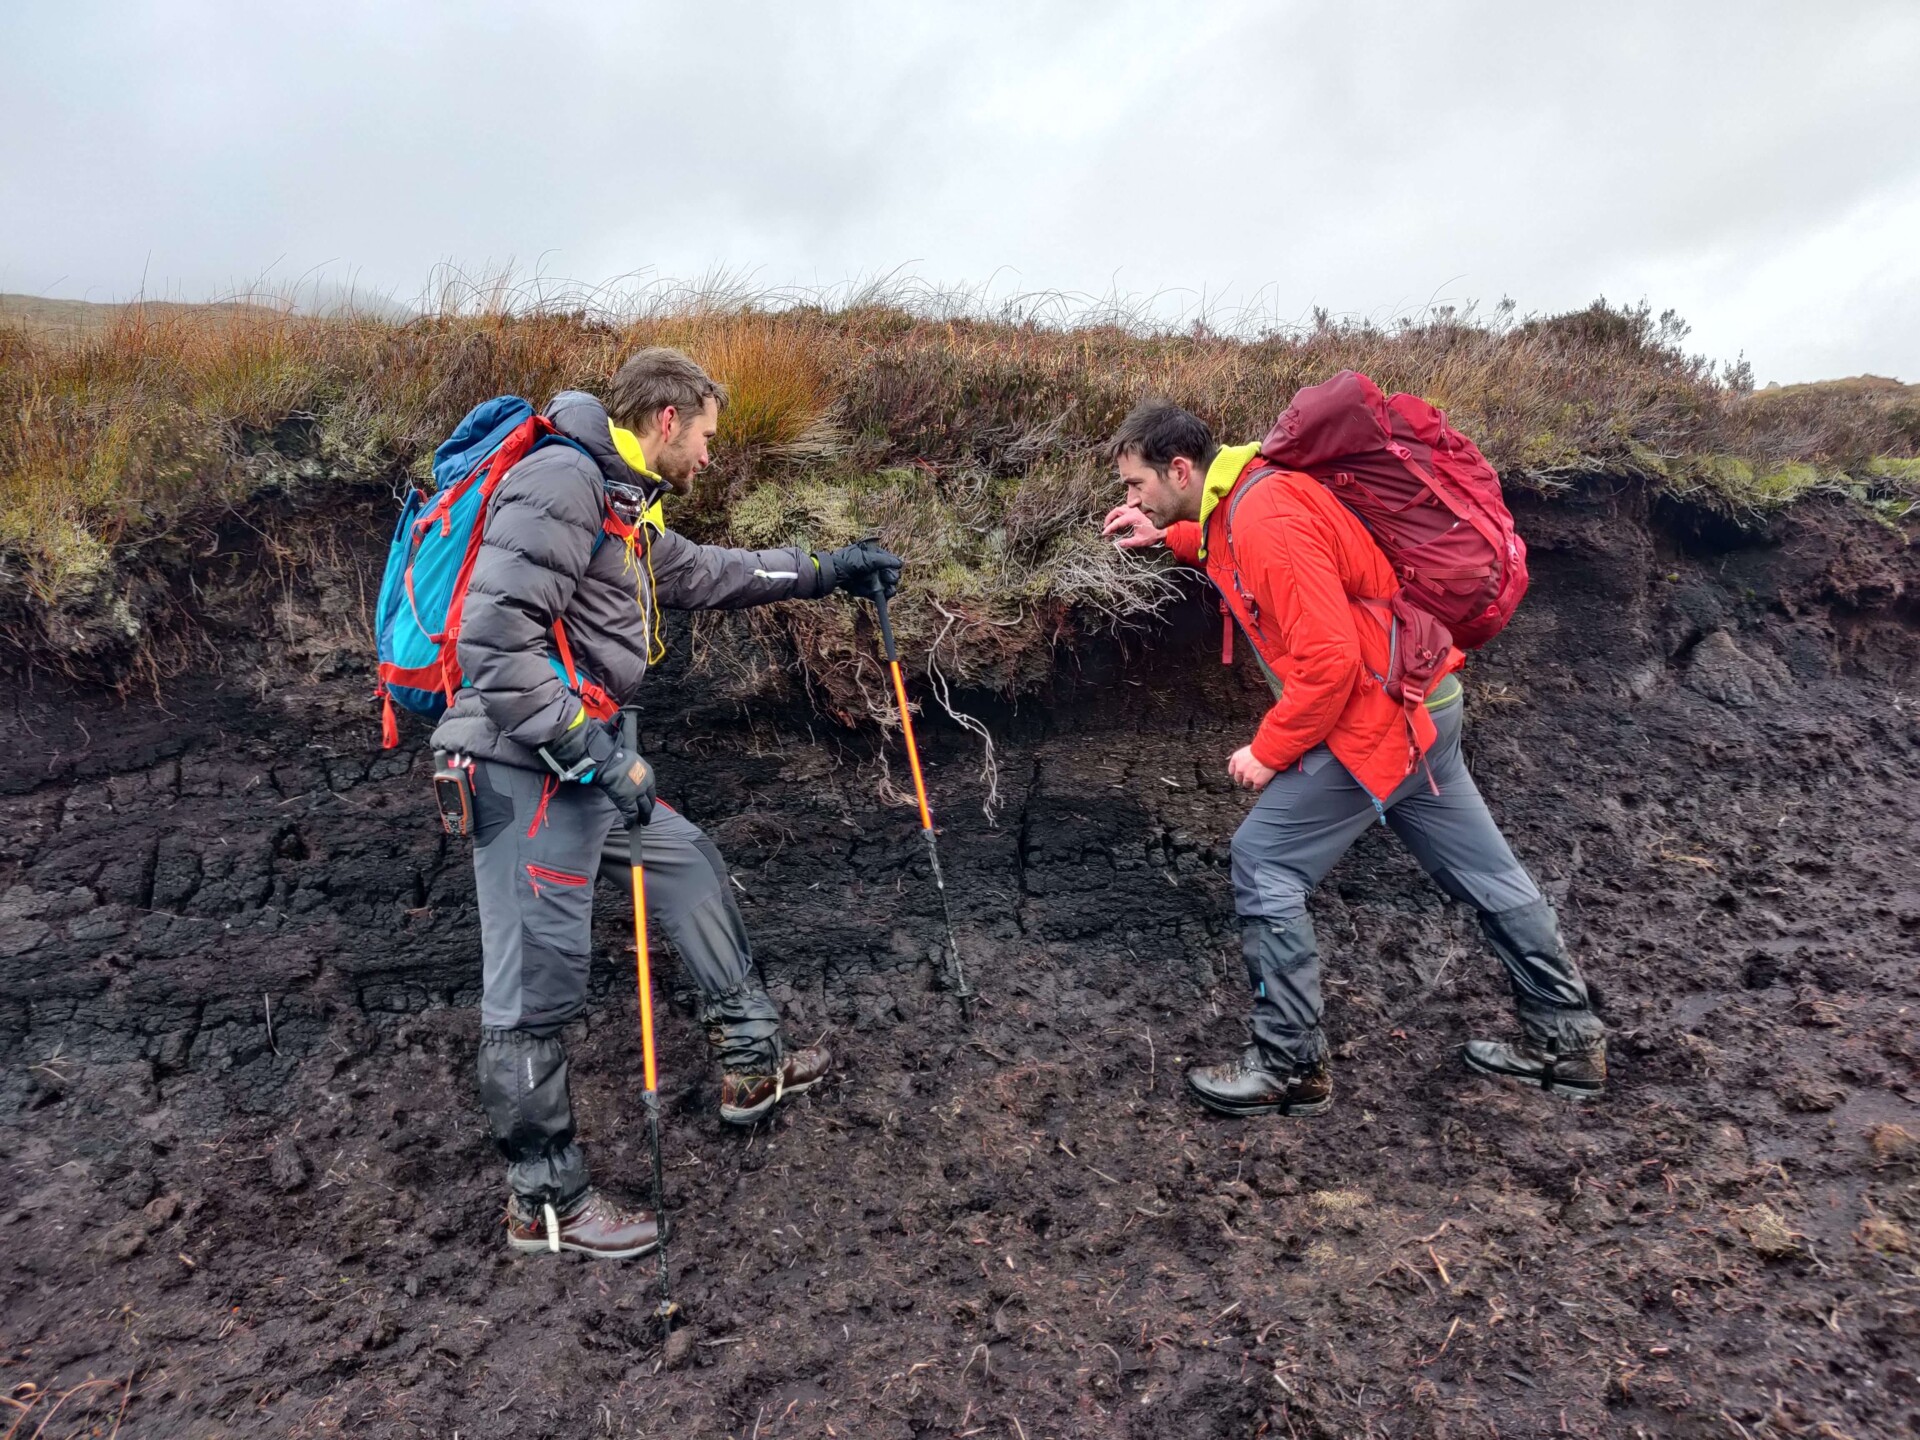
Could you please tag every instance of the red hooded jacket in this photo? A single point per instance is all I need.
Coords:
(1310, 595)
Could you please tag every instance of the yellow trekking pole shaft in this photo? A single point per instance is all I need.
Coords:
(643, 962)
(957, 981)
(913, 750)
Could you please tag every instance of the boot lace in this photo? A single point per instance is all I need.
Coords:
(1250, 1062)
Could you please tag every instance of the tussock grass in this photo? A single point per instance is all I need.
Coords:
(968, 440)
(775, 369)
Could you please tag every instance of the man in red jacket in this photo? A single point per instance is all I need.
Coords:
(1308, 587)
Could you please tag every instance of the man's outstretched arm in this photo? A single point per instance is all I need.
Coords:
(715, 577)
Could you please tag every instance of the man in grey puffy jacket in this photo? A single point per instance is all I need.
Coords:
(561, 621)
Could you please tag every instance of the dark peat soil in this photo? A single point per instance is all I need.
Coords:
(247, 1190)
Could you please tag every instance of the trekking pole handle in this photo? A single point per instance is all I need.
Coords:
(886, 625)
(630, 739)
(879, 597)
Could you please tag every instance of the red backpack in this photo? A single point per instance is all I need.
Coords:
(1423, 490)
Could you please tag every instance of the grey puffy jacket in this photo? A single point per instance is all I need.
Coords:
(538, 561)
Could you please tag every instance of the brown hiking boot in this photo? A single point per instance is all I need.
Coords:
(592, 1225)
(1572, 1075)
(745, 1098)
(1246, 1086)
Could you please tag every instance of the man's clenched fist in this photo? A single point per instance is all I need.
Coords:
(1247, 772)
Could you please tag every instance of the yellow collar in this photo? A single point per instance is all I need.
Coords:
(628, 444)
(1221, 474)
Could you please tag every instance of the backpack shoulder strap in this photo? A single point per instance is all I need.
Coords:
(549, 434)
(1259, 473)
(1247, 482)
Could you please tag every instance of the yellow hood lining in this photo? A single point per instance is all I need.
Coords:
(1221, 474)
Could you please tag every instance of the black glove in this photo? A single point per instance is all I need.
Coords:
(861, 568)
(592, 753)
(628, 780)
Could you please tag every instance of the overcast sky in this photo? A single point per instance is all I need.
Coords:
(1755, 166)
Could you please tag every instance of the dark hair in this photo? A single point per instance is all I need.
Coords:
(1157, 430)
(654, 379)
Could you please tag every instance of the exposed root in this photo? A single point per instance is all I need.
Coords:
(989, 762)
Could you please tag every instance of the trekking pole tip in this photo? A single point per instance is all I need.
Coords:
(962, 992)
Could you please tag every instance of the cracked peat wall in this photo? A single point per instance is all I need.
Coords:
(169, 859)
(225, 912)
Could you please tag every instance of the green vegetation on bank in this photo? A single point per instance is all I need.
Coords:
(971, 444)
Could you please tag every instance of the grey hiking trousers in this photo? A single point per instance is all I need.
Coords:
(538, 847)
(534, 866)
(1303, 823)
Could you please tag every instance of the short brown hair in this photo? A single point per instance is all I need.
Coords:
(656, 378)
(1157, 430)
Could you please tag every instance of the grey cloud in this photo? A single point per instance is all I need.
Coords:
(1363, 158)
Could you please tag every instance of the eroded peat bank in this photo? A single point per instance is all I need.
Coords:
(248, 1191)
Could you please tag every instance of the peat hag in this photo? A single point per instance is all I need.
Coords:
(247, 1191)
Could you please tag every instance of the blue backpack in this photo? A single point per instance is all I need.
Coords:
(430, 560)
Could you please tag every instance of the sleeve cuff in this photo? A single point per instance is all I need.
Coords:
(1183, 539)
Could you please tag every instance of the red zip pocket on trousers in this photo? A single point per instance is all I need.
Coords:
(538, 873)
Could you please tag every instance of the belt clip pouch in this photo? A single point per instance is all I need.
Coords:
(453, 794)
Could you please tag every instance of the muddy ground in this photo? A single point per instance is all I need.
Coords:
(247, 1192)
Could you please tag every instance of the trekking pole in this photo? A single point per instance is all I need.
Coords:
(961, 992)
(664, 1312)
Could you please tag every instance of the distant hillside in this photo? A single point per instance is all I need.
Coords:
(76, 318)
(55, 318)
(1876, 385)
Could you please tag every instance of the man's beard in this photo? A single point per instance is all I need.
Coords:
(677, 474)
